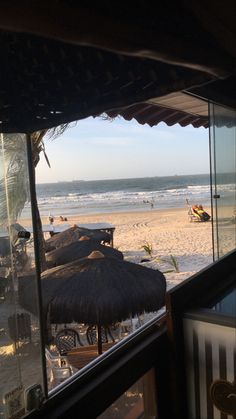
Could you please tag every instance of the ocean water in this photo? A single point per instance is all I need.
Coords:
(115, 195)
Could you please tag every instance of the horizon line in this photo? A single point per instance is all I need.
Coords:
(126, 178)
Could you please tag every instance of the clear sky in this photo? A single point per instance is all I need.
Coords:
(97, 149)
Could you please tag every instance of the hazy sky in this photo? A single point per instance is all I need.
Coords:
(98, 149)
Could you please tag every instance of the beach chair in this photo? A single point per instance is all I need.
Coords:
(193, 216)
(58, 369)
(91, 335)
(197, 214)
(66, 339)
(131, 324)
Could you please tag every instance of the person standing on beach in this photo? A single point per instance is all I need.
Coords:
(51, 218)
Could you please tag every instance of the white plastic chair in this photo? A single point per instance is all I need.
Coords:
(130, 325)
(58, 369)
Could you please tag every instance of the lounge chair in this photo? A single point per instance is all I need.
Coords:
(201, 213)
(197, 213)
(193, 216)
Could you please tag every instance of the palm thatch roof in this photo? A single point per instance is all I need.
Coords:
(97, 291)
(79, 250)
(73, 234)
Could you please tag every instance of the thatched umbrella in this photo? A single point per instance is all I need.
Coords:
(73, 234)
(100, 290)
(77, 250)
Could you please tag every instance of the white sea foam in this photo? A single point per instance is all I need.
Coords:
(124, 194)
(122, 200)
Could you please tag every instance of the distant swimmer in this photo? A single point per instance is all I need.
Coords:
(149, 202)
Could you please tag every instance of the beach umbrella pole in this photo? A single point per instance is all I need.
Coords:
(99, 331)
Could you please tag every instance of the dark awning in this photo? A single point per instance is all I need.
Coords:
(61, 61)
(171, 109)
(45, 83)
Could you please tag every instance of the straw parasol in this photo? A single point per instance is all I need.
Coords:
(99, 290)
(73, 234)
(78, 250)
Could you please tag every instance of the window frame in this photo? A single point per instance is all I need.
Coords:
(124, 365)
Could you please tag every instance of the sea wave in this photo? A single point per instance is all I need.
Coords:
(122, 200)
(117, 195)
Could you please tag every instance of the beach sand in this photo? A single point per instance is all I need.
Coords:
(169, 232)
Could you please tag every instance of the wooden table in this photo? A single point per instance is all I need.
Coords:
(81, 356)
(59, 228)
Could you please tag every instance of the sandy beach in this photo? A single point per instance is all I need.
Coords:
(168, 232)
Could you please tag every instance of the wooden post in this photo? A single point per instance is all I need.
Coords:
(99, 330)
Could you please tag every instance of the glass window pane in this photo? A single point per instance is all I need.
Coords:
(139, 401)
(20, 345)
(223, 156)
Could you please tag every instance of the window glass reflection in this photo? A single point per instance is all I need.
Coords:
(139, 401)
(20, 355)
(223, 156)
